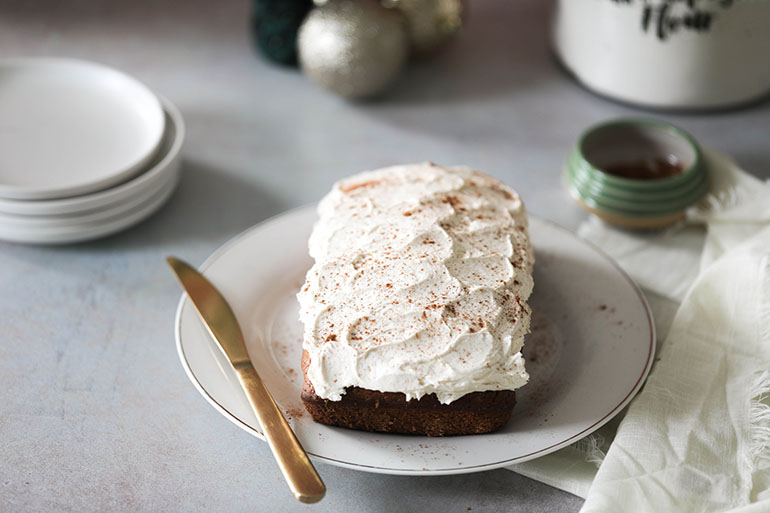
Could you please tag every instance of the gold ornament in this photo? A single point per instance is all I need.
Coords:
(355, 48)
(430, 23)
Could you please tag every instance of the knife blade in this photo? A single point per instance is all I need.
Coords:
(219, 319)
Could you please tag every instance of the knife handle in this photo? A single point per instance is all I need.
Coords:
(296, 467)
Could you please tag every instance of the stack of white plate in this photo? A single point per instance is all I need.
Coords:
(85, 151)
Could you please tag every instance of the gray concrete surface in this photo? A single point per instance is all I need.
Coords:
(96, 413)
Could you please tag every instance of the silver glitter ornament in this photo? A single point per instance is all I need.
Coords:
(355, 48)
(430, 23)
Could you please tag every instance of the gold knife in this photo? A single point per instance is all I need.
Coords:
(220, 320)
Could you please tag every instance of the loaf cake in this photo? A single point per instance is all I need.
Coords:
(415, 308)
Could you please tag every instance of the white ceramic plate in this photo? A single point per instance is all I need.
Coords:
(95, 229)
(113, 210)
(53, 223)
(70, 127)
(591, 348)
(164, 163)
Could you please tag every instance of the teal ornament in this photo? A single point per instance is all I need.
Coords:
(274, 25)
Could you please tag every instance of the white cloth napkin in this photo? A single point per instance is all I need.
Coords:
(697, 436)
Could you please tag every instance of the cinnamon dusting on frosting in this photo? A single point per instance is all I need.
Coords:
(419, 285)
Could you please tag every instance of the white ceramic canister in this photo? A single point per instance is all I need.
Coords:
(668, 54)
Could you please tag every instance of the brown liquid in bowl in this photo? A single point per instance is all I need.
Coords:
(651, 169)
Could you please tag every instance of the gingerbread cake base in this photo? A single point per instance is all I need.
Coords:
(390, 412)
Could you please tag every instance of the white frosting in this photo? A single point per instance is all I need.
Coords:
(419, 286)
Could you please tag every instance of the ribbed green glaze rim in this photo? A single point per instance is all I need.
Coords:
(622, 198)
(630, 183)
(636, 210)
(582, 167)
(635, 198)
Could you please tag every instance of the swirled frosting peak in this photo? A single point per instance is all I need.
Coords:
(419, 286)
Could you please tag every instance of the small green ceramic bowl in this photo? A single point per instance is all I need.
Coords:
(597, 172)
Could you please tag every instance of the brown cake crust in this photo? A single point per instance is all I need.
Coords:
(390, 412)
